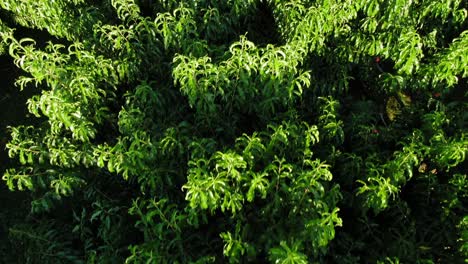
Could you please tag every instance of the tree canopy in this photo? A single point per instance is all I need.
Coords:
(240, 131)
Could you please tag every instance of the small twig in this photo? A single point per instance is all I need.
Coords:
(383, 119)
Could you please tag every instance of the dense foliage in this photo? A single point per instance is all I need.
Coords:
(240, 131)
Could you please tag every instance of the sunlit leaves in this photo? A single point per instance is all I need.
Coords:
(463, 227)
(215, 189)
(64, 185)
(249, 72)
(379, 191)
(252, 146)
(228, 165)
(233, 248)
(329, 122)
(4, 32)
(239, 148)
(324, 227)
(19, 180)
(451, 62)
(410, 52)
(286, 254)
(126, 9)
(259, 183)
(452, 153)
(216, 183)
(175, 27)
(57, 17)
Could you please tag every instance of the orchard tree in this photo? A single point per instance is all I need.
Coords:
(240, 131)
